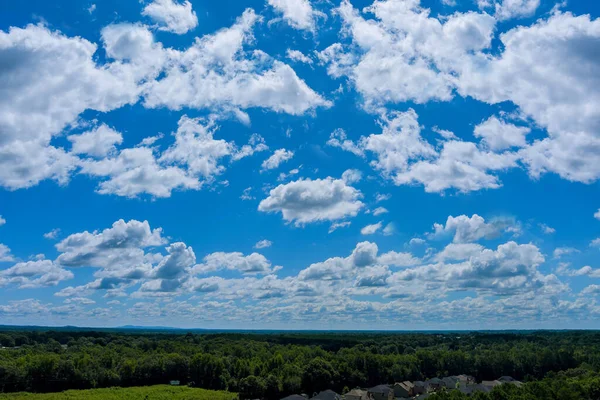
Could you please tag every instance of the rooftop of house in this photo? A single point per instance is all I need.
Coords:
(380, 389)
(294, 397)
(327, 395)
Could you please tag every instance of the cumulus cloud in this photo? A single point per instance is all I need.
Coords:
(2, 221)
(306, 201)
(379, 211)
(251, 264)
(337, 225)
(508, 9)
(34, 274)
(5, 253)
(263, 244)
(278, 157)
(597, 214)
(562, 251)
(470, 229)
(53, 234)
(499, 135)
(371, 229)
(97, 143)
(215, 73)
(172, 16)
(299, 14)
(298, 56)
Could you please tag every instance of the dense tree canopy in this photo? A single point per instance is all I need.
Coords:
(273, 365)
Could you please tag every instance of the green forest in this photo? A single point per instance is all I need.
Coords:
(552, 365)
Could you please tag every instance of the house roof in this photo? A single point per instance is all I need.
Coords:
(327, 395)
(405, 385)
(435, 381)
(294, 397)
(506, 379)
(357, 392)
(385, 389)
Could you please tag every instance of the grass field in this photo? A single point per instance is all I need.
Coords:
(162, 392)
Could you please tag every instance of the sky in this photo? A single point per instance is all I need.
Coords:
(300, 164)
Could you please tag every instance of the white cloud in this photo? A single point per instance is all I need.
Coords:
(382, 197)
(561, 251)
(597, 214)
(306, 200)
(470, 229)
(299, 14)
(371, 229)
(91, 8)
(337, 225)
(389, 229)
(263, 244)
(351, 176)
(5, 253)
(172, 16)
(417, 241)
(278, 157)
(548, 230)
(97, 143)
(338, 138)
(2, 221)
(458, 252)
(298, 56)
(380, 210)
(254, 263)
(500, 135)
(34, 274)
(396, 259)
(247, 194)
(595, 242)
(508, 9)
(243, 80)
(53, 234)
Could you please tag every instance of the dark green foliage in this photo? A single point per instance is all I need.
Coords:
(555, 365)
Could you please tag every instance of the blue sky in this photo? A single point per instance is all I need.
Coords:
(300, 164)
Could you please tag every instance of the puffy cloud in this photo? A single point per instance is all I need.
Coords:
(562, 251)
(251, 264)
(583, 271)
(337, 225)
(263, 244)
(548, 230)
(299, 14)
(470, 229)
(2, 221)
(404, 54)
(306, 200)
(500, 135)
(5, 253)
(458, 252)
(242, 79)
(136, 171)
(172, 16)
(396, 259)
(338, 138)
(53, 234)
(509, 269)
(379, 211)
(597, 214)
(298, 56)
(117, 247)
(595, 243)
(351, 176)
(508, 9)
(373, 276)
(34, 274)
(97, 143)
(364, 254)
(371, 229)
(278, 157)
(593, 290)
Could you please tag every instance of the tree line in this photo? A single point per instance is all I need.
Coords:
(272, 365)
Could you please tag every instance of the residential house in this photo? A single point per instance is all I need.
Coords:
(419, 387)
(450, 382)
(357, 394)
(434, 384)
(509, 379)
(404, 389)
(466, 378)
(295, 397)
(381, 392)
(327, 395)
(491, 384)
